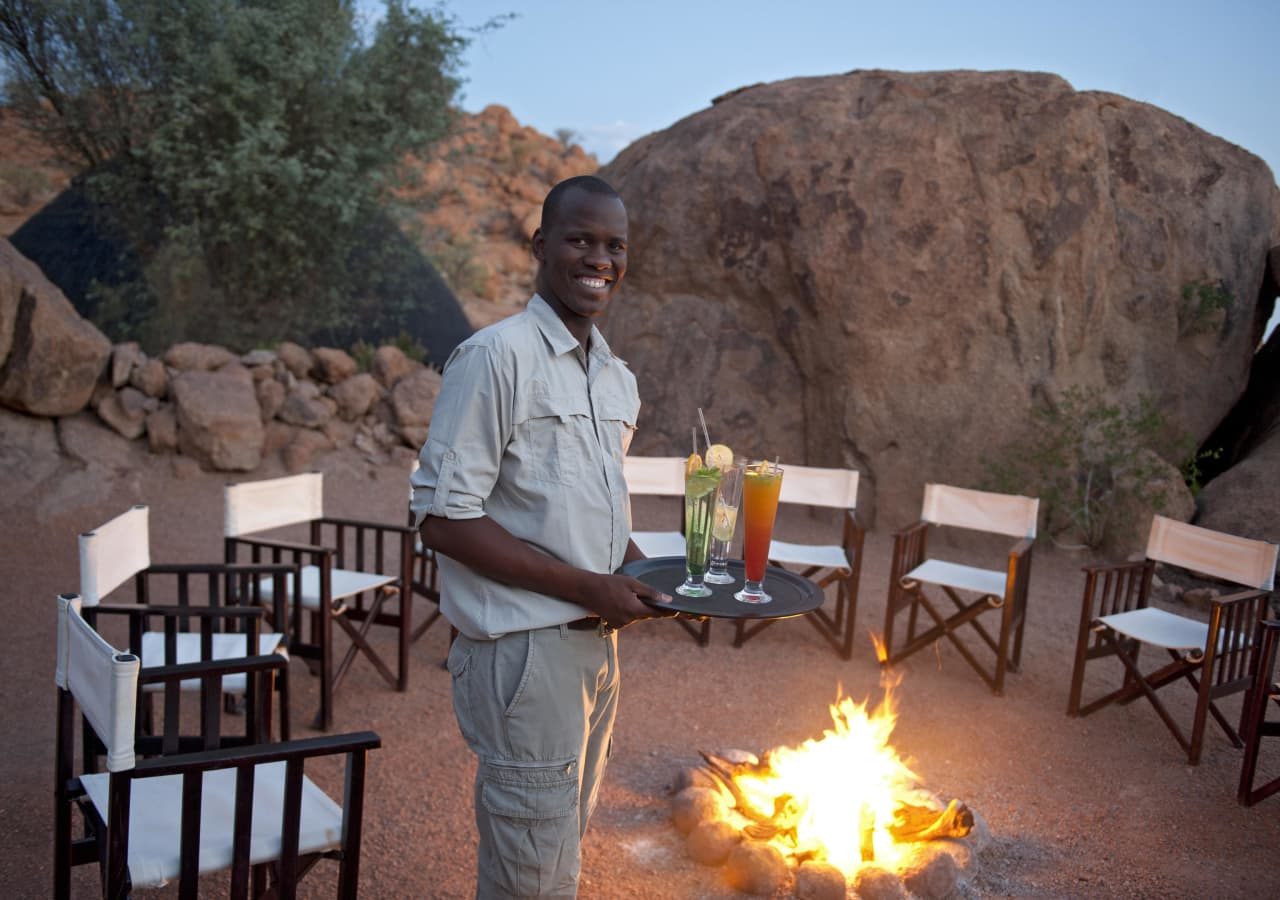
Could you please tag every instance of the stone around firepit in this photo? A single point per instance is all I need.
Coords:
(820, 881)
(930, 871)
(151, 378)
(755, 867)
(711, 842)
(694, 805)
(875, 883)
(697, 776)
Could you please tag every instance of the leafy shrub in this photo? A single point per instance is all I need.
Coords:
(1086, 458)
(1201, 301)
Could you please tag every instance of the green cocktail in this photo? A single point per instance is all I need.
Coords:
(700, 488)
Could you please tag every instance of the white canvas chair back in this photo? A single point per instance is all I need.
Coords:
(658, 475)
(1007, 514)
(809, 486)
(1236, 559)
(103, 681)
(273, 503)
(113, 553)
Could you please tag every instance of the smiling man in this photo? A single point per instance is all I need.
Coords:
(520, 492)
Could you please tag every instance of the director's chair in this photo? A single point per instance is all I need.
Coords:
(1002, 592)
(1116, 619)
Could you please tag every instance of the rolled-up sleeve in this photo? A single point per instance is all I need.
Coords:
(470, 426)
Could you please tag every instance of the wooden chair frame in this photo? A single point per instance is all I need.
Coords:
(1112, 613)
(106, 842)
(1255, 725)
(352, 544)
(232, 592)
(258, 686)
(910, 549)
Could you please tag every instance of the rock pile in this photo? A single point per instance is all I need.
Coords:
(223, 410)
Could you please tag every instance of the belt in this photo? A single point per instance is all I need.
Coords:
(591, 623)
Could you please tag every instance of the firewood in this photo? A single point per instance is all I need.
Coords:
(920, 823)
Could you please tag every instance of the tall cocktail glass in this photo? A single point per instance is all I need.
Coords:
(761, 486)
(699, 513)
(726, 521)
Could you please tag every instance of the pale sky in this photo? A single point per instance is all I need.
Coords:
(614, 71)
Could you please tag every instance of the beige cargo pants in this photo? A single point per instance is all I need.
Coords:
(537, 709)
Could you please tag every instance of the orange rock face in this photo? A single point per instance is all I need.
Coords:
(478, 197)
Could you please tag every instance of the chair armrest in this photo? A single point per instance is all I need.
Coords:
(364, 523)
(236, 568)
(291, 546)
(1101, 568)
(208, 668)
(174, 612)
(229, 757)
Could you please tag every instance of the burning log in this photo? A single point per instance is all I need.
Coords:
(920, 823)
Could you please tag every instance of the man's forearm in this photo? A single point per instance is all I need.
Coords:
(484, 545)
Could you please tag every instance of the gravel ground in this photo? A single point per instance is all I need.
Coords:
(1101, 806)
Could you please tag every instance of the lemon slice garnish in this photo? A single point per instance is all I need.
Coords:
(692, 464)
(719, 456)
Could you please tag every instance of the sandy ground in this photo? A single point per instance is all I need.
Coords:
(1102, 806)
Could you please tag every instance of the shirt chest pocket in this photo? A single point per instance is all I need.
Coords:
(552, 435)
(617, 425)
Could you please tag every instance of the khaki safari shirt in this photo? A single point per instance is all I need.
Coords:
(530, 431)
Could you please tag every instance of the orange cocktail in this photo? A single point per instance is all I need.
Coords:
(761, 485)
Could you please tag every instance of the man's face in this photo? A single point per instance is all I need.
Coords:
(582, 256)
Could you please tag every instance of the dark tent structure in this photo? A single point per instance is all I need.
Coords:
(74, 249)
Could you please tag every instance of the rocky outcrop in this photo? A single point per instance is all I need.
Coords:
(1245, 500)
(50, 358)
(480, 191)
(886, 270)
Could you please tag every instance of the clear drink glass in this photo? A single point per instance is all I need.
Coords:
(699, 513)
(761, 487)
(726, 521)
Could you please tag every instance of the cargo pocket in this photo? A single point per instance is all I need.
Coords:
(533, 813)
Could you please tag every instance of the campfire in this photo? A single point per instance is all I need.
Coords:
(845, 802)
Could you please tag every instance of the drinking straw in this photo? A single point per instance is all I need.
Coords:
(706, 434)
(693, 433)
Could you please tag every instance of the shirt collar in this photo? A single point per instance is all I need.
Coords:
(558, 336)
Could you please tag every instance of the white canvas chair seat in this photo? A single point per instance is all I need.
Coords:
(343, 583)
(225, 646)
(155, 826)
(659, 543)
(827, 556)
(1171, 631)
(962, 577)
(1159, 628)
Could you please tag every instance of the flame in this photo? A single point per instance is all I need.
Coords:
(844, 784)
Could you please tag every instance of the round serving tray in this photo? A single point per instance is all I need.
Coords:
(792, 594)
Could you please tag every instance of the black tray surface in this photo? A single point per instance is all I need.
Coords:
(792, 594)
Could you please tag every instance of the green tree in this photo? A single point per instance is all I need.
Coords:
(253, 141)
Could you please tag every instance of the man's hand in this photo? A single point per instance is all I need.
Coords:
(620, 600)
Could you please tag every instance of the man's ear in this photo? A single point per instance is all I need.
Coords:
(538, 243)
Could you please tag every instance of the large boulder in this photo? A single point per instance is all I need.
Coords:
(50, 358)
(219, 423)
(1245, 500)
(887, 270)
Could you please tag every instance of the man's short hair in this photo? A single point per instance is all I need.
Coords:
(555, 197)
